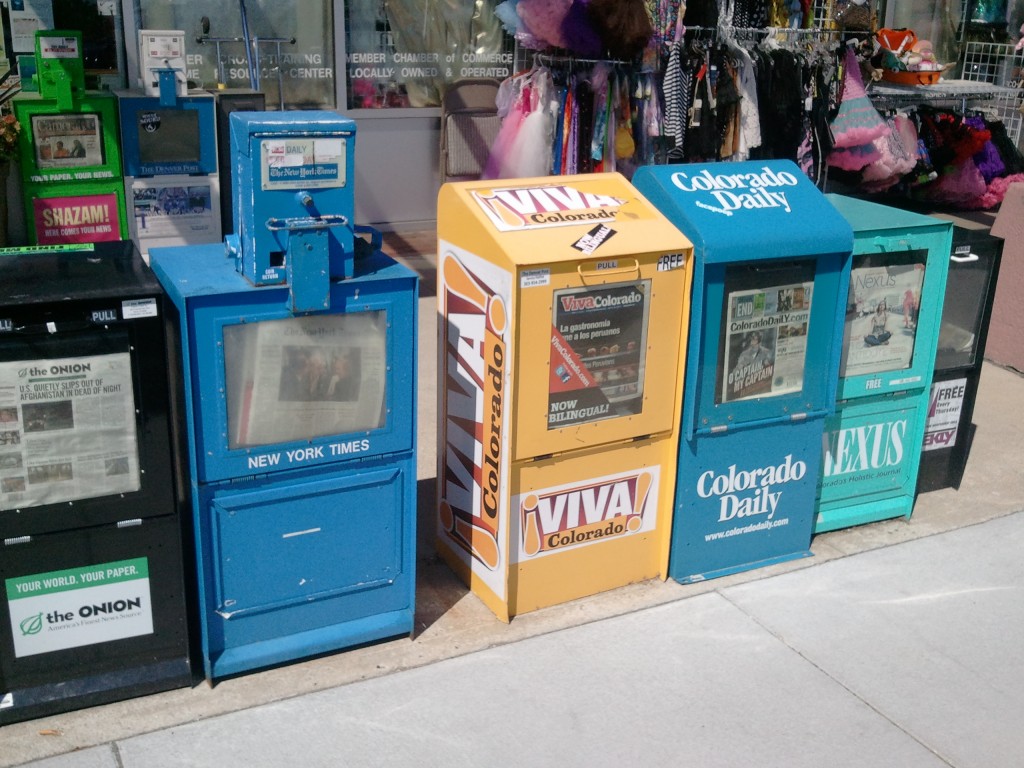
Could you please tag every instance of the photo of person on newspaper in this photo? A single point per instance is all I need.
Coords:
(879, 334)
(754, 354)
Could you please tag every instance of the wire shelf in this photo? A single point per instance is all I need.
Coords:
(1000, 65)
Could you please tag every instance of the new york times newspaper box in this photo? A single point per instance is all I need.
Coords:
(297, 364)
(771, 263)
(562, 306)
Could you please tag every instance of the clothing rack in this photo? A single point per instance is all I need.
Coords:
(782, 35)
(553, 60)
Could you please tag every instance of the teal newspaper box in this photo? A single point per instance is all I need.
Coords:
(871, 450)
(771, 268)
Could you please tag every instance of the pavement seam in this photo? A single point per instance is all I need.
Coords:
(836, 680)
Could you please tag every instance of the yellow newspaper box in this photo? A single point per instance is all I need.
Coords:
(563, 308)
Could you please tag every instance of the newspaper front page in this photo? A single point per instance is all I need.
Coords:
(305, 377)
(67, 430)
(765, 341)
(881, 318)
(67, 141)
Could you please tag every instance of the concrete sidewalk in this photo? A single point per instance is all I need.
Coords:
(904, 656)
(897, 644)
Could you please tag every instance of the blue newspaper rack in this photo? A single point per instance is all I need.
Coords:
(772, 261)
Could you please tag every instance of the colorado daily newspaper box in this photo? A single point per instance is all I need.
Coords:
(966, 310)
(872, 444)
(94, 606)
(562, 308)
(299, 388)
(772, 260)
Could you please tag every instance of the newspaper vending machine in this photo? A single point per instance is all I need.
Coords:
(562, 306)
(772, 260)
(91, 537)
(169, 150)
(297, 361)
(69, 151)
(966, 311)
(871, 450)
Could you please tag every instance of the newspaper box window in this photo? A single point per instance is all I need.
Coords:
(304, 377)
(772, 262)
(301, 406)
(598, 352)
(871, 448)
(763, 346)
(92, 595)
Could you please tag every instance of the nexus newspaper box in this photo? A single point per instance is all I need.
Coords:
(771, 261)
(91, 553)
(563, 318)
(871, 449)
(299, 399)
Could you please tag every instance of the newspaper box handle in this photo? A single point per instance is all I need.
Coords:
(971, 256)
(602, 274)
(888, 244)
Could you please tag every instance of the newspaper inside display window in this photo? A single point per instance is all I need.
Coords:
(305, 377)
(67, 429)
(763, 338)
(598, 353)
(68, 141)
(881, 312)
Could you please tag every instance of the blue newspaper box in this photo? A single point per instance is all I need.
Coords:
(871, 450)
(772, 262)
(299, 406)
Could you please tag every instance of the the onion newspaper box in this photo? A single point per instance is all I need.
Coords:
(772, 261)
(299, 393)
(91, 553)
(966, 310)
(563, 316)
(169, 150)
(871, 449)
(68, 150)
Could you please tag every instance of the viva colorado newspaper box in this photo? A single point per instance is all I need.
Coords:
(772, 262)
(298, 363)
(563, 319)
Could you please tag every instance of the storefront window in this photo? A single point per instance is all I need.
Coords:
(292, 46)
(403, 53)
